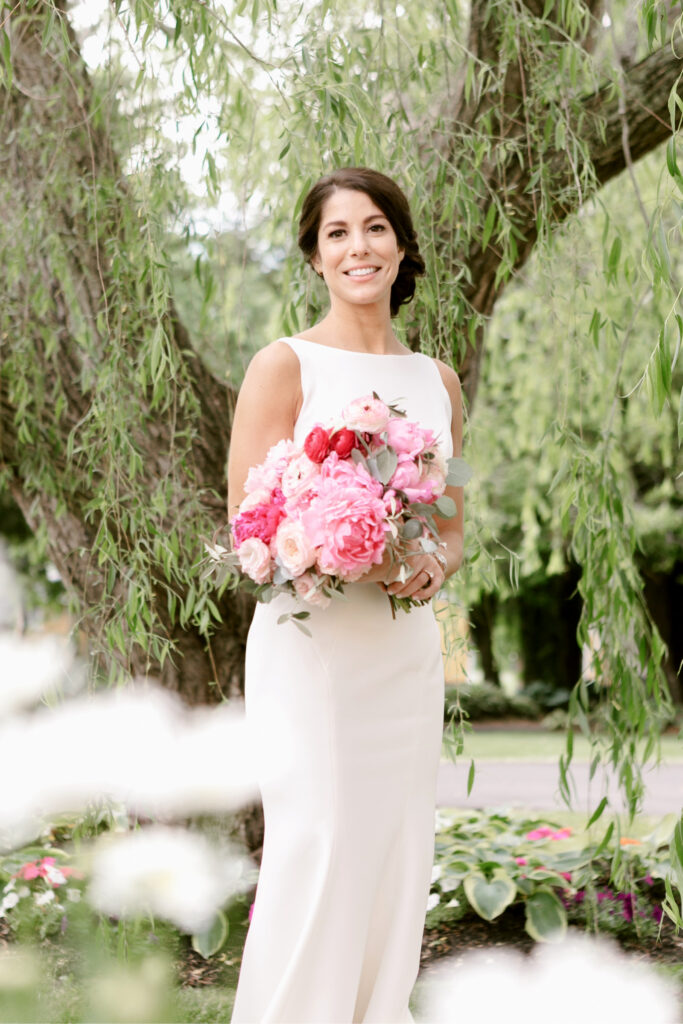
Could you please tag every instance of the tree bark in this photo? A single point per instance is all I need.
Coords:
(603, 116)
(49, 121)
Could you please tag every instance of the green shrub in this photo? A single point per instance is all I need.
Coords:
(479, 701)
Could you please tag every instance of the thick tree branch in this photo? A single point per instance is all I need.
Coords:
(644, 104)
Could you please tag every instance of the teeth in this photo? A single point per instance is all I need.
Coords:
(363, 272)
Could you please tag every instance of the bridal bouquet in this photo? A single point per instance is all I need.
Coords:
(319, 516)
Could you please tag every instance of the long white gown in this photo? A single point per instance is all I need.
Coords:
(347, 724)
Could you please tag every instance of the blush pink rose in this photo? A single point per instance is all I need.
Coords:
(366, 414)
(261, 521)
(417, 485)
(298, 475)
(345, 520)
(255, 560)
(293, 548)
(309, 592)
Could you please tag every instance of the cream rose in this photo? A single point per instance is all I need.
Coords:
(255, 560)
(293, 548)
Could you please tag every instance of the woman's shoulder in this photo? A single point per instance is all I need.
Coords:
(273, 360)
(450, 379)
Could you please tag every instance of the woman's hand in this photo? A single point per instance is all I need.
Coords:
(424, 574)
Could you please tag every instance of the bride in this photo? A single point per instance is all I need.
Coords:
(347, 722)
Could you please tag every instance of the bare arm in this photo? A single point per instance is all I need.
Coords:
(267, 407)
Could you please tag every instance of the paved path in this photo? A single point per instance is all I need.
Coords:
(535, 785)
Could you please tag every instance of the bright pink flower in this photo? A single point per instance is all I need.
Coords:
(255, 560)
(521, 861)
(345, 520)
(28, 871)
(366, 414)
(567, 875)
(261, 522)
(545, 832)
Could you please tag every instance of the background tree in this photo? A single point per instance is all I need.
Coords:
(114, 433)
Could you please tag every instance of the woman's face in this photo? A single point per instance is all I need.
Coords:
(358, 252)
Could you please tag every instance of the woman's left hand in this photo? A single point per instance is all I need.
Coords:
(426, 578)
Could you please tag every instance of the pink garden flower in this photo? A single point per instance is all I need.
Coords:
(366, 414)
(545, 832)
(409, 479)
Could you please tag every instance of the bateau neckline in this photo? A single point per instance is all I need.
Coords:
(351, 351)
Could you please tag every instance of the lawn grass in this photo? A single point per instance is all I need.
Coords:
(538, 745)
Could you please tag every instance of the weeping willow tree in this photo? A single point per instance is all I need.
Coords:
(501, 119)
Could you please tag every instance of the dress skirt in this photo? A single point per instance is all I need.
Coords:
(347, 726)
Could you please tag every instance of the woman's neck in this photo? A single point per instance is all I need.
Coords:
(363, 330)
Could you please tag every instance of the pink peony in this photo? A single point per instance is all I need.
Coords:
(309, 592)
(294, 549)
(366, 414)
(408, 478)
(405, 438)
(255, 560)
(298, 475)
(345, 520)
(261, 521)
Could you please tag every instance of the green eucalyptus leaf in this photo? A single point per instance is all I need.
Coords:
(445, 506)
(459, 472)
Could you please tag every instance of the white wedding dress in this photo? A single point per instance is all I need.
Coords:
(347, 726)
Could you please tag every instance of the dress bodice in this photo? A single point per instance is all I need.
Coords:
(333, 377)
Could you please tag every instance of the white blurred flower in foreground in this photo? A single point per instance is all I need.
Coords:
(582, 978)
(168, 873)
(33, 666)
(138, 745)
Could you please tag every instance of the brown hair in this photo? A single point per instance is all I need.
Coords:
(389, 198)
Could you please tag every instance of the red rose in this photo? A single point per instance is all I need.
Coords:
(342, 442)
(317, 444)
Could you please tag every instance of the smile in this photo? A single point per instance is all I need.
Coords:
(361, 271)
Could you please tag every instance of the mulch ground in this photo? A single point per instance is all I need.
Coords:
(508, 931)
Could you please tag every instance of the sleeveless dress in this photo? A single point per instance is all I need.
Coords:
(346, 726)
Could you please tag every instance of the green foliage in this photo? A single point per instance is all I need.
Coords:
(493, 861)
